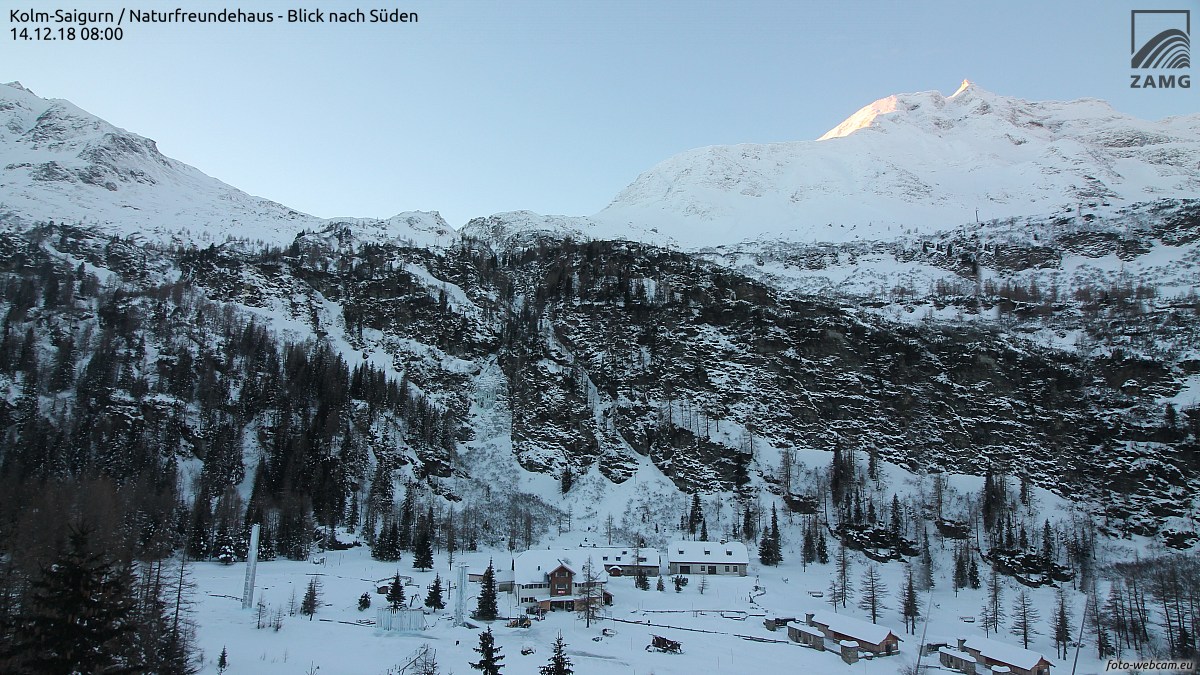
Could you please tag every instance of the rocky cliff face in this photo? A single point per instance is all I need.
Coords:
(1060, 347)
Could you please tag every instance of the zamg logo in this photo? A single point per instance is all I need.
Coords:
(1166, 38)
(1160, 39)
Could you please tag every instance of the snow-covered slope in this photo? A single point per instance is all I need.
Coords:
(917, 162)
(60, 162)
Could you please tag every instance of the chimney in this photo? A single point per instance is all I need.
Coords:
(808, 618)
(962, 644)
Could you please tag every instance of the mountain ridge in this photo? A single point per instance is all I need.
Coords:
(917, 163)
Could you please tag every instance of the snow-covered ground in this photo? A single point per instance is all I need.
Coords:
(336, 642)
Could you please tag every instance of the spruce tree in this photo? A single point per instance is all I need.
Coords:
(486, 610)
(660, 586)
(423, 547)
(222, 661)
(910, 608)
(489, 654)
(395, 594)
(308, 606)
(79, 615)
(776, 541)
(568, 479)
(559, 663)
(641, 581)
(433, 599)
(1062, 625)
(694, 517)
(822, 548)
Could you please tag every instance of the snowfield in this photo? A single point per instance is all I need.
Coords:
(336, 641)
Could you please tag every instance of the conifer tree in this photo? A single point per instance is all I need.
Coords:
(79, 616)
(433, 599)
(567, 480)
(641, 581)
(395, 594)
(695, 515)
(1025, 617)
(660, 586)
(485, 609)
(308, 606)
(992, 613)
(423, 546)
(559, 663)
(873, 591)
(910, 608)
(223, 661)
(1062, 625)
(489, 654)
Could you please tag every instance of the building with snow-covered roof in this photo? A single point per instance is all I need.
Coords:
(836, 629)
(624, 561)
(555, 579)
(708, 557)
(995, 657)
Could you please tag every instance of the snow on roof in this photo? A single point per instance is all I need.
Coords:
(1004, 652)
(708, 552)
(858, 629)
(619, 555)
(805, 628)
(957, 654)
(531, 567)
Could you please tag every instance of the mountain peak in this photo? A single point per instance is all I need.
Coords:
(966, 86)
(916, 162)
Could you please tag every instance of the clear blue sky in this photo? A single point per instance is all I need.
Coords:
(553, 106)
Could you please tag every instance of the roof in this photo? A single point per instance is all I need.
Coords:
(805, 628)
(863, 631)
(619, 555)
(1004, 652)
(531, 567)
(957, 654)
(708, 552)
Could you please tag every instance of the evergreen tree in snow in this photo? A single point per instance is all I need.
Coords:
(1062, 625)
(910, 607)
(423, 545)
(312, 599)
(485, 609)
(433, 599)
(489, 654)
(79, 616)
(559, 663)
(395, 594)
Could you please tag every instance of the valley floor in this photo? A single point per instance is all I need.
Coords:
(335, 642)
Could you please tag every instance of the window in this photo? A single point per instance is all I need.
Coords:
(728, 552)
(707, 552)
(606, 558)
(727, 568)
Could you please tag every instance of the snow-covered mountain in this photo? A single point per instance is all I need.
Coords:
(918, 163)
(61, 162)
